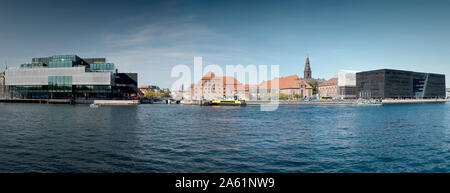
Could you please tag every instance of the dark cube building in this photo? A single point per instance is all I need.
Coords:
(387, 83)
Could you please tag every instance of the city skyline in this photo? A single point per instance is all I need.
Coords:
(150, 37)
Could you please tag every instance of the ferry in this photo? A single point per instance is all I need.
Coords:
(228, 102)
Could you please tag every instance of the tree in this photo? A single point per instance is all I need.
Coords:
(283, 96)
(314, 84)
(150, 94)
(165, 95)
(270, 96)
(298, 96)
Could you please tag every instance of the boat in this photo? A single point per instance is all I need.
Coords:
(94, 105)
(374, 104)
(228, 102)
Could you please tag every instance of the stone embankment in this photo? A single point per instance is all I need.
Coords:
(411, 101)
(332, 102)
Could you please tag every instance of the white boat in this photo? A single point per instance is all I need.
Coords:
(94, 105)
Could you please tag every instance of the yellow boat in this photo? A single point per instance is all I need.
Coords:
(228, 102)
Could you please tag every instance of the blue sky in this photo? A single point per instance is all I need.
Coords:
(150, 37)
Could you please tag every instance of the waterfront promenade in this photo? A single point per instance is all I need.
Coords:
(412, 101)
(333, 102)
(40, 101)
(71, 101)
(197, 102)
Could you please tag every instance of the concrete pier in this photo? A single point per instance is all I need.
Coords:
(412, 101)
(116, 102)
(316, 102)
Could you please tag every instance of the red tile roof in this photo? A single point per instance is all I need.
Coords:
(226, 80)
(288, 82)
(229, 80)
(247, 86)
(208, 76)
(331, 82)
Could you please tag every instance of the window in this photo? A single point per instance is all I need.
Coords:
(60, 83)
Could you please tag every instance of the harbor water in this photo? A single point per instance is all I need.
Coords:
(190, 138)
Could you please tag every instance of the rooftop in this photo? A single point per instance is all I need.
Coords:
(386, 69)
(288, 82)
(331, 82)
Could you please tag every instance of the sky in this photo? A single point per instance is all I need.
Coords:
(151, 37)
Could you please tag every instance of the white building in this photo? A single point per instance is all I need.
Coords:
(347, 84)
(447, 95)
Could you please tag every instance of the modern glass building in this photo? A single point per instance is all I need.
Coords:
(387, 83)
(70, 77)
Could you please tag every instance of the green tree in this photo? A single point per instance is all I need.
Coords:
(298, 96)
(150, 94)
(165, 94)
(268, 96)
(283, 96)
(314, 84)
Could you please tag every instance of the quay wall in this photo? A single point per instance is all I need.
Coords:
(70, 101)
(40, 101)
(411, 101)
(334, 102)
(318, 102)
(116, 102)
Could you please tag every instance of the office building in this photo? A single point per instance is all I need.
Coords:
(387, 83)
(70, 77)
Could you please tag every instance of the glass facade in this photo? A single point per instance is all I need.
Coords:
(64, 61)
(102, 67)
(69, 76)
(60, 64)
(388, 83)
(33, 65)
(95, 60)
(59, 84)
(45, 60)
(92, 89)
(26, 89)
(419, 80)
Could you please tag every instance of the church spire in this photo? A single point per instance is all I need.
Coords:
(307, 72)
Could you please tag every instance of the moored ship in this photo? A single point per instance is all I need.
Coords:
(228, 102)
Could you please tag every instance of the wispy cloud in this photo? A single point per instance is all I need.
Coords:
(152, 49)
(168, 32)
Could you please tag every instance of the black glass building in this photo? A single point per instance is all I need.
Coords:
(388, 83)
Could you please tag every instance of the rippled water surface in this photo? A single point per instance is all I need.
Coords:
(184, 138)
